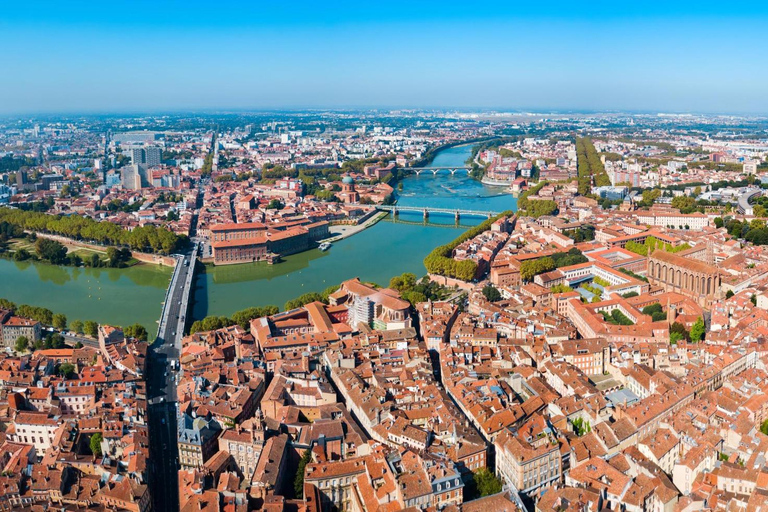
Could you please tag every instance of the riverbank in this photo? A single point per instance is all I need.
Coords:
(342, 231)
(485, 180)
(143, 257)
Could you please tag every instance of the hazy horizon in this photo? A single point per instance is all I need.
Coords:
(88, 57)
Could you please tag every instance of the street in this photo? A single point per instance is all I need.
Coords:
(161, 382)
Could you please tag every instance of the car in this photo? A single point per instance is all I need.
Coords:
(174, 333)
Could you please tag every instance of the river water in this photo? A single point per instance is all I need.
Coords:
(112, 296)
(387, 249)
(126, 296)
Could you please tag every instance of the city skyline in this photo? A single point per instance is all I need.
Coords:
(138, 56)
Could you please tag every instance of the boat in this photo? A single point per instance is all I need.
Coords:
(325, 246)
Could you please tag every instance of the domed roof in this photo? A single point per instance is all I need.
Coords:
(347, 180)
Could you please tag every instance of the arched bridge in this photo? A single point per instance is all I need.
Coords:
(435, 170)
(426, 211)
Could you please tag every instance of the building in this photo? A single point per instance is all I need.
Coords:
(528, 459)
(16, 326)
(197, 441)
(687, 276)
(149, 156)
(35, 428)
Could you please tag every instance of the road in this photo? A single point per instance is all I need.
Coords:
(161, 381)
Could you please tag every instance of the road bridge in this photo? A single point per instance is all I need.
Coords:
(427, 210)
(435, 170)
(161, 381)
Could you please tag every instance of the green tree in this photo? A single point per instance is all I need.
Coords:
(7, 304)
(718, 222)
(302, 300)
(764, 427)
(487, 483)
(491, 293)
(561, 288)
(275, 204)
(677, 332)
(136, 331)
(67, 370)
(697, 330)
(759, 210)
(531, 268)
(21, 255)
(51, 250)
(91, 328)
(403, 282)
(22, 344)
(581, 427)
(243, 317)
(76, 326)
(95, 443)
(59, 321)
(729, 294)
(298, 482)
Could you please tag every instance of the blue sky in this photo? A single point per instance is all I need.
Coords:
(78, 56)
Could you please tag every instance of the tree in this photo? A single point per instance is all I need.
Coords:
(21, 255)
(59, 321)
(487, 483)
(76, 326)
(581, 427)
(22, 344)
(51, 250)
(91, 328)
(136, 331)
(298, 482)
(67, 370)
(95, 443)
(729, 294)
(302, 300)
(718, 222)
(764, 427)
(243, 317)
(698, 330)
(275, 204)
(531, 268)
(210, 323)
(677, 332)
(403, 282)
(759, 210)
(491, 293)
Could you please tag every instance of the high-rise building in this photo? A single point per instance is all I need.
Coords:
(131, 177)
(137, 156)
(150, 156)
(153, 155)
(21, 178)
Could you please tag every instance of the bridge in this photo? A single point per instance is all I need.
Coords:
(426, 211)
(161, 382)
(435, 170)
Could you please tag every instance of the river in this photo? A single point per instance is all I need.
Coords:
(387, 249)
(126, 296)
(106, 295)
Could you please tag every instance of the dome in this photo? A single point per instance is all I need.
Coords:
(347, 180)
